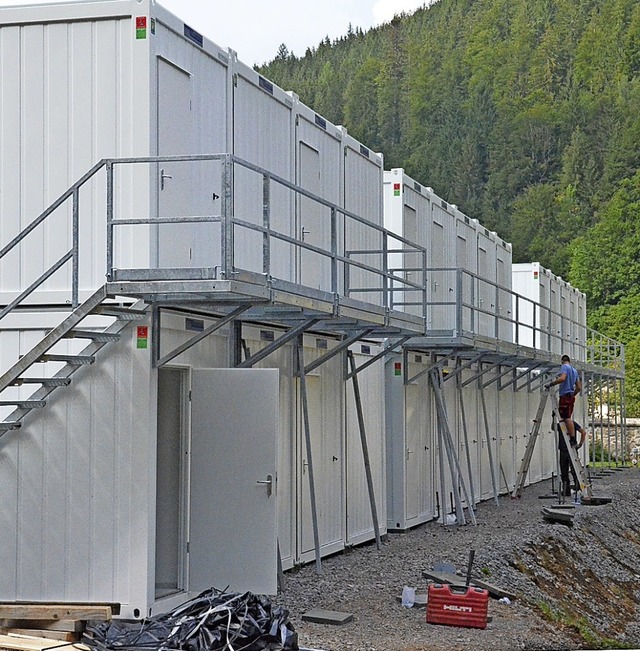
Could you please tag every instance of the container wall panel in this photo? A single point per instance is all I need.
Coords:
(487, 294)
(442, 257)
(467, 259)
(504, 280)
(262, 135)
(358, 507)
(522, 425)
(363, 196)
(471, 443)
(78, 490)
(66, 102)
(507, 438)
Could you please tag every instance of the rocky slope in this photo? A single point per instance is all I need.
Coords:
(577, 587)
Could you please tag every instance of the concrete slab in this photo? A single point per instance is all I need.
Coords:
(320, 616)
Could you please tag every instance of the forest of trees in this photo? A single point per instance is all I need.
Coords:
(524, 113)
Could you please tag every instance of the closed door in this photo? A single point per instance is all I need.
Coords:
(327, 460)
(174, 241)
(315, 224)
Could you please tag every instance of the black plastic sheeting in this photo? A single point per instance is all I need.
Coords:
(214, 621)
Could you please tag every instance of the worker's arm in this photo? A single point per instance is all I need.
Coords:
(578, 387)
(559, 380)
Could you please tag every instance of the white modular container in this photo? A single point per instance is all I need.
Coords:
(442, 262)
(580, 333)
(363, 196)
(536, 322)
(263, 134)
(504, 279)
(410, 444)
(487, 294)
(407, 212)
(359, 525)
(573, 325)
(76, 87)
(467, 259)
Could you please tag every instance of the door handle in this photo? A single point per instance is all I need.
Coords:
(305, 232)
(268, 483)
(163, 176)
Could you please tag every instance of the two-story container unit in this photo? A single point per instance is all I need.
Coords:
(126, 79)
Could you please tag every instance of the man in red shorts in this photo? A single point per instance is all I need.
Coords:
(570, 387)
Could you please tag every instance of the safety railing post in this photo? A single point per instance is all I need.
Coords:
(334, 251)
(387, 296)
(266, 223)
(109, 170)
(424, 290)
(458, 302)
(76, 249)
(227, 212)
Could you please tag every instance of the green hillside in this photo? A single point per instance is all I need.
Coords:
(524, 113)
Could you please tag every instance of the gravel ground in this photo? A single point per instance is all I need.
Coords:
(577, 587)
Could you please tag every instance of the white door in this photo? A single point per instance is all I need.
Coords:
(437, 285)
(315, 224)
(174, 139)
(327, 458)
(233, 527)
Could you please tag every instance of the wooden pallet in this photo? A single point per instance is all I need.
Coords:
(32, 643)
(23, 625)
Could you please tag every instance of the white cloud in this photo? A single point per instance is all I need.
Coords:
(385, 10)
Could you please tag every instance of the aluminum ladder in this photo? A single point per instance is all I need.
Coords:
(531, 444)
(585, 486)
(17, 375)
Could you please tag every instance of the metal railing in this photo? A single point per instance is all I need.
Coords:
(351, 257)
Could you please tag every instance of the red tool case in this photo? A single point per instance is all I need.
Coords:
(465, 607)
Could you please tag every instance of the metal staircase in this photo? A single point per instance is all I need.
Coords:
(18, 375)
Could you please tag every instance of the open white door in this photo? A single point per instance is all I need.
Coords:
(233, 523)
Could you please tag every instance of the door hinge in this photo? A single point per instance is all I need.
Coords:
(189, 396)
(188, 547)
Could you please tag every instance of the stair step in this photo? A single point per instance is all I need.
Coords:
(44, 381)
(122, 313)
(23, 404)
(101, 337)
(5, 427)
(74, 360)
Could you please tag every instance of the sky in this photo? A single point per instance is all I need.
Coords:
(256, 28)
